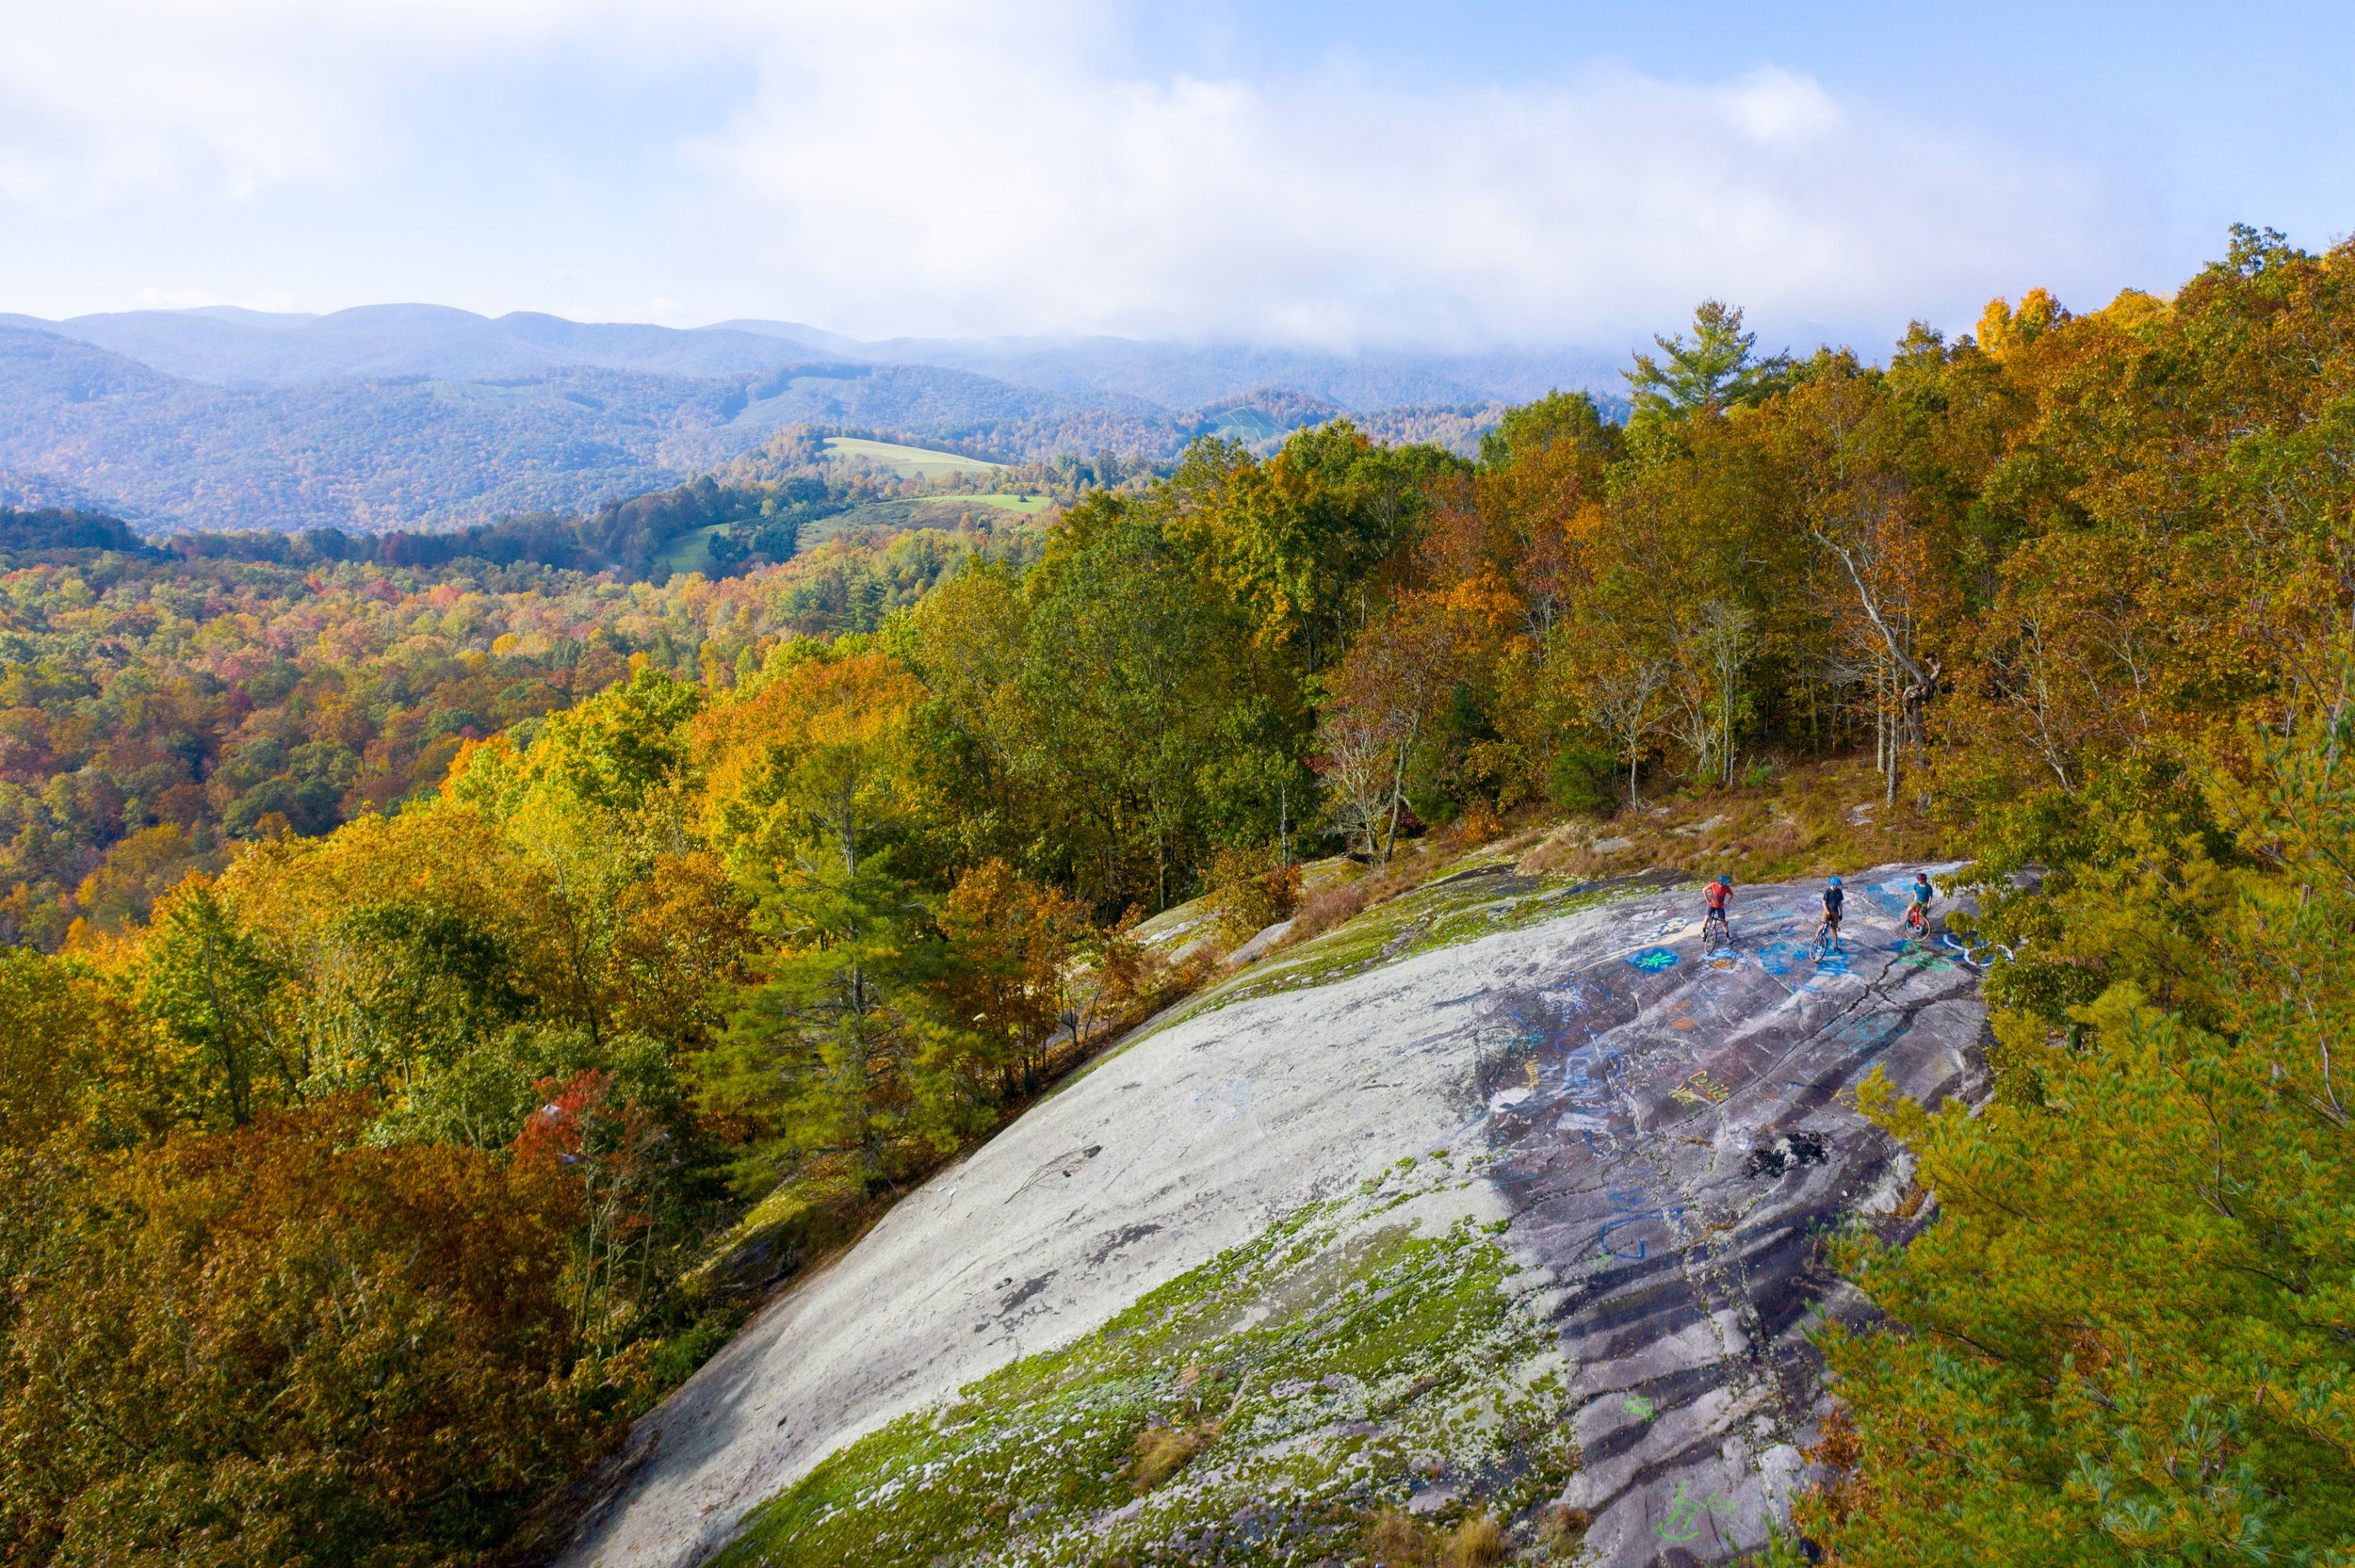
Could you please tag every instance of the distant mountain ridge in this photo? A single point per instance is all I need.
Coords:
(255, 348)
(84, 427)
(421, 416)
(231, 346)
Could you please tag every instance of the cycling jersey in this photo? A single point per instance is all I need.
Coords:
(1718, 893)
(1833, 898)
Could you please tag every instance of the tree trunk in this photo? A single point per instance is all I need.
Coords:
(1398, 792)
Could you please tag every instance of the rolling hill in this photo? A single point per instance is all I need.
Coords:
(235, 347)
(420, 416)
(85, 427)
(1183, 375)
(232, 348)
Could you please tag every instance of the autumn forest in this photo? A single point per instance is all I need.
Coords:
(444, 991)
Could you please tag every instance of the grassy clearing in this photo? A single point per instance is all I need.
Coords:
(925, 512)
(690, 551)
(1793, 822)
(1022, 505)
(1266, 1408)
(905, 461)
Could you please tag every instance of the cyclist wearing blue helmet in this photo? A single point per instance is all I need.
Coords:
(1918, 912)
(1714, 922)
(1833, 898)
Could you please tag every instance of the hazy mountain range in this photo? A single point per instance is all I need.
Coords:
(420, 416)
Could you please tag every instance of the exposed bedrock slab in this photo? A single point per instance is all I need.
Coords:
(1670, 1130)
(1675, 1132)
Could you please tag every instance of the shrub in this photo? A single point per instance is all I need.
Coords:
(1396, 1541)
(1161, 1452)
(1247, 894)
(1478, 1543)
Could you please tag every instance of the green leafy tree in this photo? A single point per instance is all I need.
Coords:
(406, 985)
(1565, 418)
(1130, 663)
(217, 997)
(1299, 540)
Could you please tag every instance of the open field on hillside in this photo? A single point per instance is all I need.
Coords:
(691, 552)
(905, 461)
(941, 511)
(1026, 506)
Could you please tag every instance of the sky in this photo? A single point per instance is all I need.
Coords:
(1344, 175)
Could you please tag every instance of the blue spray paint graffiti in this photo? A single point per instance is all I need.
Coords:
(1588, 1098)
(1651, 961)
(1642, 1248)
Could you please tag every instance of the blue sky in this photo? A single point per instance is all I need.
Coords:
(1379, 172)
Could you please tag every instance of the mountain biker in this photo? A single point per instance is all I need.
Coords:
(1919, 915)
(1833, 898)
(1717, 894)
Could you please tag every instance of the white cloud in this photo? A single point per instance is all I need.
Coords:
(987, 177)
(108, 100)
(923, 166)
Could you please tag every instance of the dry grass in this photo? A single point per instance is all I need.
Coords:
(1397, 1540)
(1337, 903)
(1803, 821)
(1320, 912)
(1563, 1528)
(1161, 1452)
(1478, 1543)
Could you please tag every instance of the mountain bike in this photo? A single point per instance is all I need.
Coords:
(1714, 929)
(1917, 922)
(1827, 939)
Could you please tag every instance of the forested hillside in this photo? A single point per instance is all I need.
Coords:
(159, 709)
(243, 347)
(543, 415)
(85, 426)
(359, 1188)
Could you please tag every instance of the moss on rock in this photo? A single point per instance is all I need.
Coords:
(1483, 897)
(1261, 1408)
